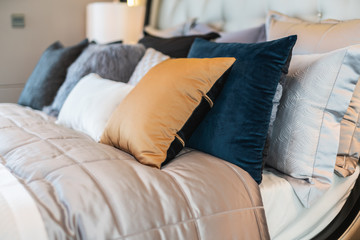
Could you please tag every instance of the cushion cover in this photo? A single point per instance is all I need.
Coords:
(156, 119)
(176, 47)
(176, 31)
(48, 75)
(327, 35)
(116, 62)
(236, 127)
(349, 145)
(91, 103)
(305, 137)
(313, 37)
(249, 35)
(149, 60)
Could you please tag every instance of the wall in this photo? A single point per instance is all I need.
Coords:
(45, 22)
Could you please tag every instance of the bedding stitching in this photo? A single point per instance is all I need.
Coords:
(93, 178)
(82, 167)
(26, 186)
(190, 220)
(187, 201)
(249, 194)
(77, 164)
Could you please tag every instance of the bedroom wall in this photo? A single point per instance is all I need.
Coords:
(45, 22)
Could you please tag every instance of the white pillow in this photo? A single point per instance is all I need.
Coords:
(305, 136)
(149, 60)
(91, 103)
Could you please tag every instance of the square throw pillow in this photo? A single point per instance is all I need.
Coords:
(235, 129)
(149, 60)
(91, 103)
(305, 137)
(156, 119)
(176, 47)
(313, 37)
(323, 37)
(48, 75)
(116, 62)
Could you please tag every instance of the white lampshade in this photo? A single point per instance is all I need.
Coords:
(113, 21)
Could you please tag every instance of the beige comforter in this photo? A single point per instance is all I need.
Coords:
(87, 190)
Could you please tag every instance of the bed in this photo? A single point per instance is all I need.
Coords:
(59, 182)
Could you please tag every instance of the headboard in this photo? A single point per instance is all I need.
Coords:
(231, 15)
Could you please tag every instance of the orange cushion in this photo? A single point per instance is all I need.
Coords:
(158, 116)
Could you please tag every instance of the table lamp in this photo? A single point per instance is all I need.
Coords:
(113, 21)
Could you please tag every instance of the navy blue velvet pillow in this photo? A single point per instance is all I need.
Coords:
(235, 129)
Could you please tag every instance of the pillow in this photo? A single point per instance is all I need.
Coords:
(200, 28)
(305, 137)
(49, 74)
(149, 60)
(235, 129)
(349, 145)
(328, 35)
(250, 35)
(156, 119)
(176, 31)
(313, 37)
(176, 47)
(91, 103)
(116, 62)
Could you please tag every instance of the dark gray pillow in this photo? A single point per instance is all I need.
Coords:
(48, 75)
(115, 62)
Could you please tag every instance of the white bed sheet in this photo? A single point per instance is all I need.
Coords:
(20, 217)
(287, 218)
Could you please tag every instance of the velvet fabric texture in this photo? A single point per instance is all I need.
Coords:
(176, 47)
(115, 62)
(49, 73)
(235, 129)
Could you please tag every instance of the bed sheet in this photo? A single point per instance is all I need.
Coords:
(286, 216)
(23, 220)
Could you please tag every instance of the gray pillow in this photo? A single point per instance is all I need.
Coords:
(249, 35)
(115, 62)
(48, 75)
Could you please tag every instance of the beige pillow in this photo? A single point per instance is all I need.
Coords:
(318, 38)
(313, 37)
(159, 115)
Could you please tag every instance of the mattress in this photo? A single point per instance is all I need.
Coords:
(286, 217)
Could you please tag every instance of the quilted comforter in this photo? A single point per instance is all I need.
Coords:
(87, 190)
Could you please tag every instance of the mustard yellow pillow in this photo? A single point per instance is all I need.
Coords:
(159, 115)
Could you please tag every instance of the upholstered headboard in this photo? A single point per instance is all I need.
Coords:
(231, 15)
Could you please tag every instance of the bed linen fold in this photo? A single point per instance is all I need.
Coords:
(87, 190)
